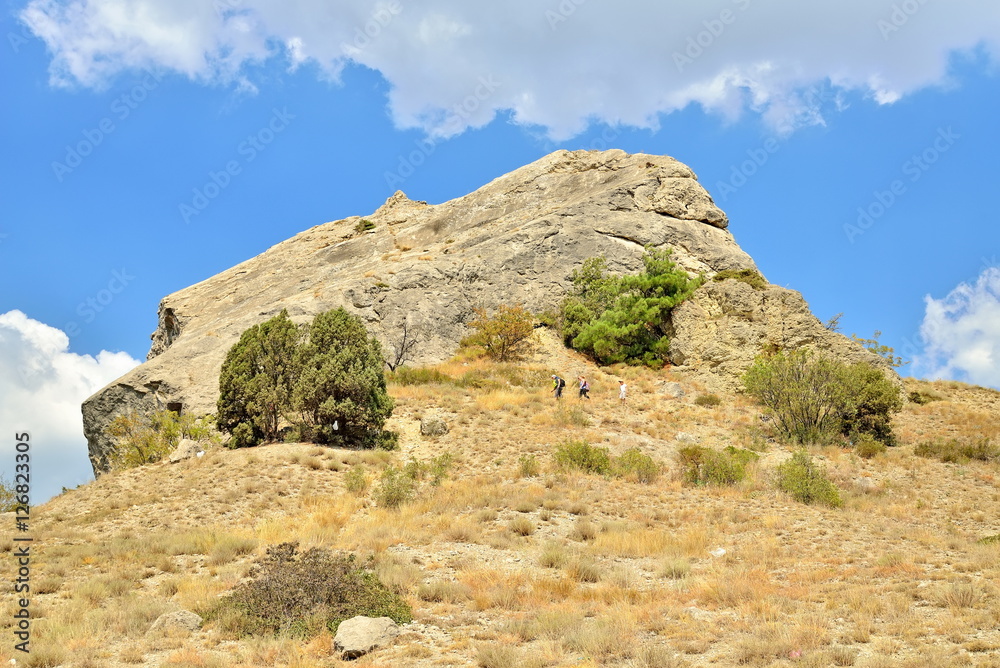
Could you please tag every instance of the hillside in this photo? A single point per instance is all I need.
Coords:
(559, 568)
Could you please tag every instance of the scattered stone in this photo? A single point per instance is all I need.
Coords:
(432, 425)
(671, 389)
(179, 620)
(360, 635)
(186, 449)
(684, 437)
(718, 552)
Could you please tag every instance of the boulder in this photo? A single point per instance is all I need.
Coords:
(671, 389)
(180, 620)
(432, 425)
(360, 635)
(186, 449)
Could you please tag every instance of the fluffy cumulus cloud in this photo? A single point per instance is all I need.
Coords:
(961, 332)
(557, 64)
(43, 385)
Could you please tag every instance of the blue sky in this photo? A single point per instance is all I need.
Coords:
(152, 144)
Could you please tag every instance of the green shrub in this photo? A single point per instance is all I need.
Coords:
(584, 457)
(705, 466)
(637, 466)
(806, 482)
(356, 480)
(528, 466)
(395, 487)
(818, 400)
(624, 318)
(866, 446)
(506, 335)
(707, 400)
(147, 438)
(955, 451)
(364, 225)
(438, 468)
(751, 277)
(387, 440)
(301, 593)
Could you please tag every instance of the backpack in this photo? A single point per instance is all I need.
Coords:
(560, 383)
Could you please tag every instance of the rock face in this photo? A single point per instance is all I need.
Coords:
(515, 240)
(360, 635)
(720, 330)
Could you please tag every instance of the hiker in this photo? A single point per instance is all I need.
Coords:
(622, 391)
(584, 388)
(557, 386)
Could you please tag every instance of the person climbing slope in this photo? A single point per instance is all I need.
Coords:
(557, 386)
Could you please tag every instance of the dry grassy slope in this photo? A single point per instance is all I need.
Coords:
(611, 572)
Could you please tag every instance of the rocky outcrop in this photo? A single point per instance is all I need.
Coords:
(515, 240)
(719, 331)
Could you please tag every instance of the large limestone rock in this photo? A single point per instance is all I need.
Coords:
(516, 239)
(360, 635)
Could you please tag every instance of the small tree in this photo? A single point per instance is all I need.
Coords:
(506, 335)
(340, 392)
(886, 352)
(402, 346)
(256, 381)
(815, 399)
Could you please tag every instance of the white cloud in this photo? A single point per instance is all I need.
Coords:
(961, 332)
(43, 385)
(560, 64)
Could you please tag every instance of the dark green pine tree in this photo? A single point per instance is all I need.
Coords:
(340, 392)
(256, 381)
